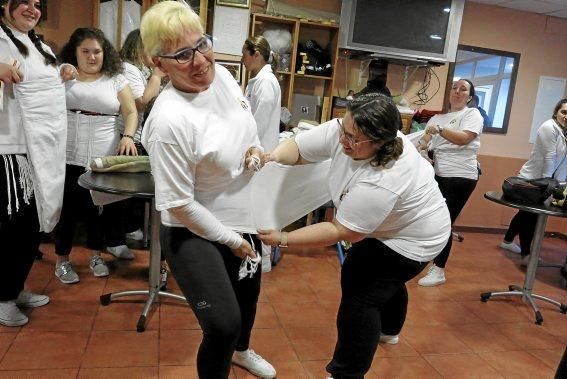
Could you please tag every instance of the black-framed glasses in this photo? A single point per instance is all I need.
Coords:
(351, 141)
(186, 55)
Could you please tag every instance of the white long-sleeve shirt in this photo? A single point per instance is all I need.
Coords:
(264, 94)
(548, 154)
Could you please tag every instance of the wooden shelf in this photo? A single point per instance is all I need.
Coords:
(302, 30)
(314, 76)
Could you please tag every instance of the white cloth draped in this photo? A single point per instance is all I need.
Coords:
(42, 106)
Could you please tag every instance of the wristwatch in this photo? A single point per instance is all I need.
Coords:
(283, 240)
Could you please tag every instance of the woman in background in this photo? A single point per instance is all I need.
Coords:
(264, 94)
(548, 159)
(25, 60)
(455, 143)
(94, 101)
(200, 137)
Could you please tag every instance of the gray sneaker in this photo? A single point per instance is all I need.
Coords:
(64, 271)
(10, 315)
(97, 266)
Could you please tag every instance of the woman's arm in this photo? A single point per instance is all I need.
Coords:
(151, 90)
(10, 73)
(458, 137)
(321, 234)
(130, 116)
(287, 153)
(546, 142)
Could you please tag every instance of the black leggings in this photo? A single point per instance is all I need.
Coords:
(374, 300)
(104, 228)
(456, 192)
(207, 274)
(523, 224)
(19, 232)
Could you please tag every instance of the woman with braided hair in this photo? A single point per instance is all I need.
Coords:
(32, 151)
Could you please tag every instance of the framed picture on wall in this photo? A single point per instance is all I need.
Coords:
(235, 3)
(235, 68)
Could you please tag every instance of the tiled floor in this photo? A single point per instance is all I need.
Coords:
(448, 333)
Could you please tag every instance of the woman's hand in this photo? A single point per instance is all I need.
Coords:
(68, 72)
(252, 159)
(11, 73)
(270, 237)
(244, 250)
(432, 129)
(127, 146)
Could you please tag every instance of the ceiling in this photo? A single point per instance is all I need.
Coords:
(556, 8)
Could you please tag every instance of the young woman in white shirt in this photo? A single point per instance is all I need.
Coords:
(388, 205)
(24, 59)
(94, 100)
(200, 136)
(455, 143)
(548, 159)
(264, 94)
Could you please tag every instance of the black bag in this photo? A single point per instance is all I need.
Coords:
(528, 191)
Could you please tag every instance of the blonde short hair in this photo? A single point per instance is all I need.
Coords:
(164, 23)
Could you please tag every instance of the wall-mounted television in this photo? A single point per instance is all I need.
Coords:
(415, 30)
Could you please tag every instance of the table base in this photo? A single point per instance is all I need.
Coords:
(528, 296)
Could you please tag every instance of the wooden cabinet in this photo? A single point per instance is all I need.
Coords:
(291, 81)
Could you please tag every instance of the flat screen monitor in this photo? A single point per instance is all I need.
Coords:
(421, 30)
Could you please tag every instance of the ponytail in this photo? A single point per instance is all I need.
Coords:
(49, 59)
(274, 61)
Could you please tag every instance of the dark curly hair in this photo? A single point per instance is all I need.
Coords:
(377, 117)
(111, 63)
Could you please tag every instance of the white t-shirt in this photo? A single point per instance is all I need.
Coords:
(453, 160)
(12, 140)
(100, 96)
(264, 94)
(548, 154)
(90, 137)
(197, 143)
(137, 82)
(400, 205)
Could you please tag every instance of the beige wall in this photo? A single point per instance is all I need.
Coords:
(542, 43)
(63, 17)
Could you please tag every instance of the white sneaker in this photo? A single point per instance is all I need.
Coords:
(97, 266)
(511, 246)
(10, 314)
(120, 252)
(136, 235)
(392, 340)
(435, 276)
(27, 299)
(254, 363)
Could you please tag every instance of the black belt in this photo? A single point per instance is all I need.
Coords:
(89, 113)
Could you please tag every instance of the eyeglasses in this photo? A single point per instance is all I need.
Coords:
(351, 141)
(187, 55)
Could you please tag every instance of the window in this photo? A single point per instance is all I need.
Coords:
(493, 73)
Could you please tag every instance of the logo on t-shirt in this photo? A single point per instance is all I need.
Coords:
(244, 104)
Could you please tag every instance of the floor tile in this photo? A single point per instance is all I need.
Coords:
(119, 373)
(179, 347)
(121, 349)
(462, 366)
(517, 364)
(434, 340)
(48, 349)
(483, 337)
(406, 367)
(313, 343)
(6, 340)
(175, 314)
(529, 336)
(43, 374)
(550, 357)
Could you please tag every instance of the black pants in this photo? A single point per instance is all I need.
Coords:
(207, 274)
(106, 228)
(523, 224)
(374, 300)
(19, 233)
(456, 192)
